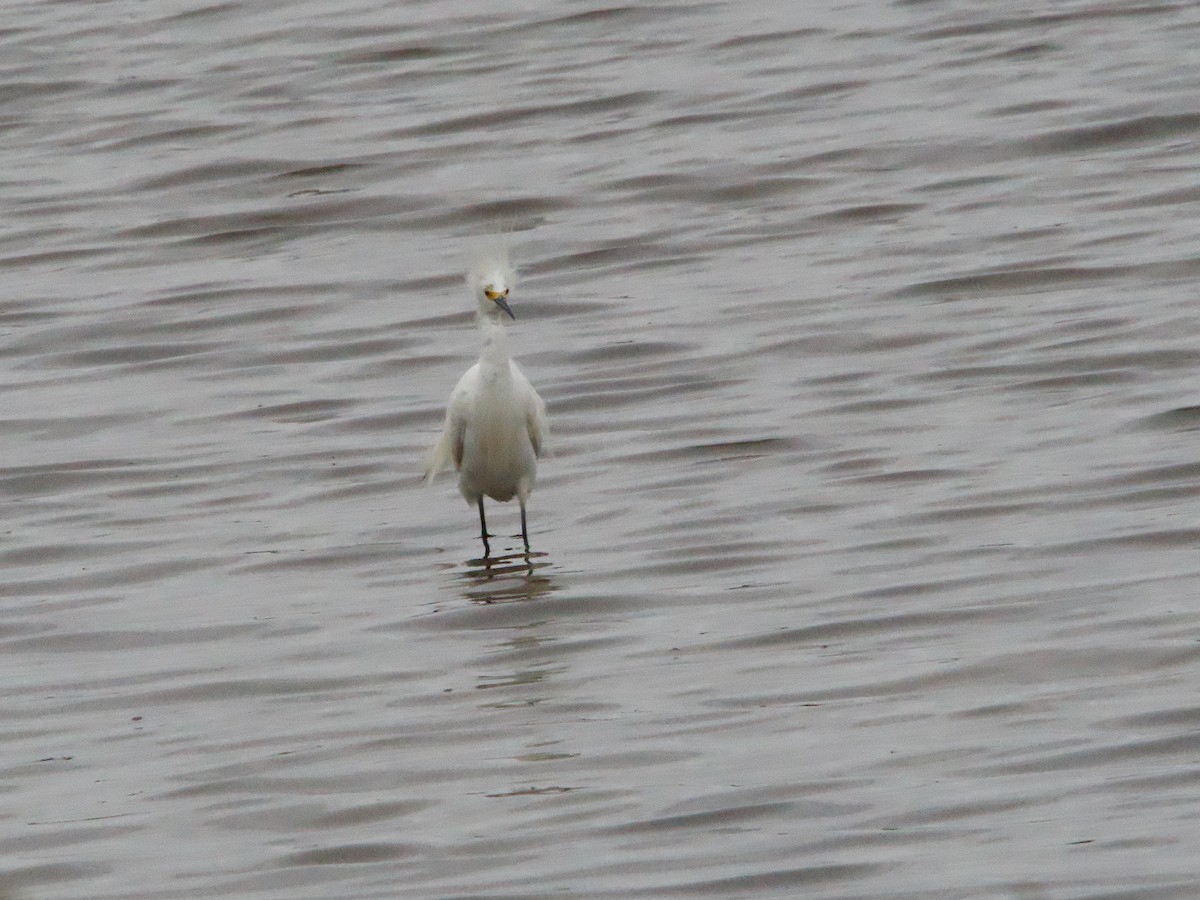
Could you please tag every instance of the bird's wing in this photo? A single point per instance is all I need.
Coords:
(448, 451)
(537, 423)
(535, 412)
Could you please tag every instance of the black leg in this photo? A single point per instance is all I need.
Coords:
(487, 549)
(524, 530)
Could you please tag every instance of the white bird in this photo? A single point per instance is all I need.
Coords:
(495, 425)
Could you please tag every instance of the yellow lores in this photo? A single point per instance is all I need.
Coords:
(495, 425)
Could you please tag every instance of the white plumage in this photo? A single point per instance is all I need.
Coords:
(495, 425)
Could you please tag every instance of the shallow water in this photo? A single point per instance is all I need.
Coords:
(865, 558)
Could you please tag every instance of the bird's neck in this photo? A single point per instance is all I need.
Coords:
(495, 343)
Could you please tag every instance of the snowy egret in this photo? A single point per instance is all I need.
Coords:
(495, 425)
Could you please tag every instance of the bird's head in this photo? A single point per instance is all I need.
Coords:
(491, 277)
(493, 298)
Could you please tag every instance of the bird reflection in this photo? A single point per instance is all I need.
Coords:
(510, 578)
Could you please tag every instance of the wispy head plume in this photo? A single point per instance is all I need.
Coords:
(487, 258)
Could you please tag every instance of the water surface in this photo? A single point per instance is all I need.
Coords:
(865, 558)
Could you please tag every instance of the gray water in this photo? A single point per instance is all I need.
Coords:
(865, 558)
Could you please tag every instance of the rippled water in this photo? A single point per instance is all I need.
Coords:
(865, 560)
